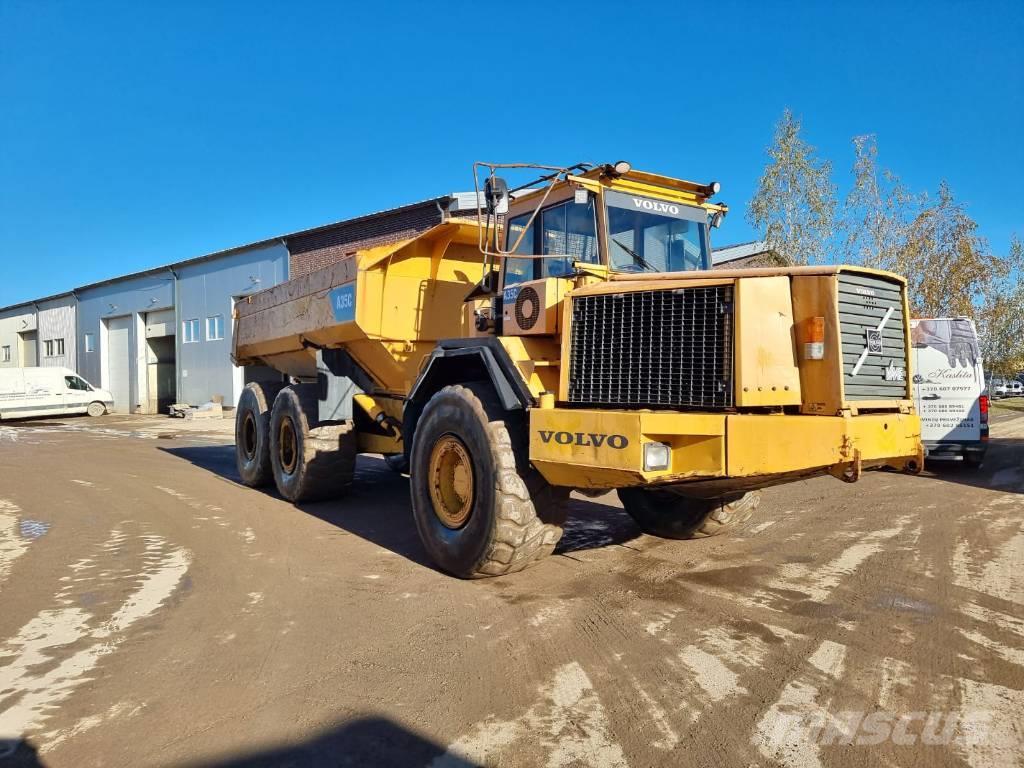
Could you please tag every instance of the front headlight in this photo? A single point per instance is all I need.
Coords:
(656, 456)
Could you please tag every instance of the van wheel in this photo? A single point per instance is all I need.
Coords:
(974, 460)
(310, 461)
(671, 516)
(252, 432)
(96, 408)
(478, 507)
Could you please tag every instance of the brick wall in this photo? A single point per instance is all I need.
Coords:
(319, 248)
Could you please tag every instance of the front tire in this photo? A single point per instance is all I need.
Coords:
(310, 461)
(671, 516)
(480, 510)
(96, 409)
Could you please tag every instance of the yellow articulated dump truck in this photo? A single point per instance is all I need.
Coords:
(573, 336)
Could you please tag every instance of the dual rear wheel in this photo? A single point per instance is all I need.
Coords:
(279, 439)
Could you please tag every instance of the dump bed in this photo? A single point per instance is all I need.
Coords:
(387, 306)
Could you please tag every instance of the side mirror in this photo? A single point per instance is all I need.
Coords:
(717, 218)
(496, 195)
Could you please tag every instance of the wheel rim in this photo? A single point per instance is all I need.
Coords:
(249, 436)
(451, 482)
(286, 447)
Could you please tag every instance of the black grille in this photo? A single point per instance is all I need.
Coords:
(657, 349)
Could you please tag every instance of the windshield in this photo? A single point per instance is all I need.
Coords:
(648, 235)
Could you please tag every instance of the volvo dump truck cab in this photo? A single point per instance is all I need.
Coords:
(573, 336)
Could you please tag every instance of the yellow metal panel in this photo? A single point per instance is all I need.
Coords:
(764, 445)
(604, 449)
(765, 355)
(591, 438)
(536, 357)
(821, 381)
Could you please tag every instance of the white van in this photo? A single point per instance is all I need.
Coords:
(49, 392)
(949, 388)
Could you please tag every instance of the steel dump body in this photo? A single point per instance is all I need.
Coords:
(387, 306)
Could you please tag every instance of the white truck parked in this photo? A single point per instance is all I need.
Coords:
(949, 388)
(54, 391)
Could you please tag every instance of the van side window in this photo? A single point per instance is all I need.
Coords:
(73, 382)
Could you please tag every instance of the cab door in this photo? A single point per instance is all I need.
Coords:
(77, 394)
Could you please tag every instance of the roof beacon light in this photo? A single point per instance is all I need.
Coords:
(713, 188)
(622, 167)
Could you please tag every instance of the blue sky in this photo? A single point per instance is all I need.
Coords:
(136, 134)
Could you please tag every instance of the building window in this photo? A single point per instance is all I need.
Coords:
(215, 327)
(190, 330)
(48, 347)
(5, 354)
(60, 347)
(90, 342)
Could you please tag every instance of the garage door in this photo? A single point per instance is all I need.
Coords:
(118, 370)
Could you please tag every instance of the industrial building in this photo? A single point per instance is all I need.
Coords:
(163, 335)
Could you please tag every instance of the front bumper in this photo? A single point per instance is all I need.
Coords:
(604, 449)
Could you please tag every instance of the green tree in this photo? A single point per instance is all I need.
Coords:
(1001, 319)
(877, 213)
(947, 264)
(795, 202)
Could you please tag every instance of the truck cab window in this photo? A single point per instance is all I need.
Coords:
(646, 235)
(567, 230)
(519, 270)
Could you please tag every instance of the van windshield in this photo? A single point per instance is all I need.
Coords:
(648, 235)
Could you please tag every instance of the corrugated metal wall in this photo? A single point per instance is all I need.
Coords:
(14, 322)
(132, 298)
(57, 321)
(206, 290)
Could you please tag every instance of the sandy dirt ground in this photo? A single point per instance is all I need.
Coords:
(153, 612)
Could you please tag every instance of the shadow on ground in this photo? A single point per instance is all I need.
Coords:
(377, 508)
(1002, 469)
(19, 753)
(366, 741)
(375, 741)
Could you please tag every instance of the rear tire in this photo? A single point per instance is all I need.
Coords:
(479, 508)
(974, 460)
(252, 432)
(671, 516)
(310, 461)
(96, 409)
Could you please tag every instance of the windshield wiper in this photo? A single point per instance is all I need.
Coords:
(636, 257)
